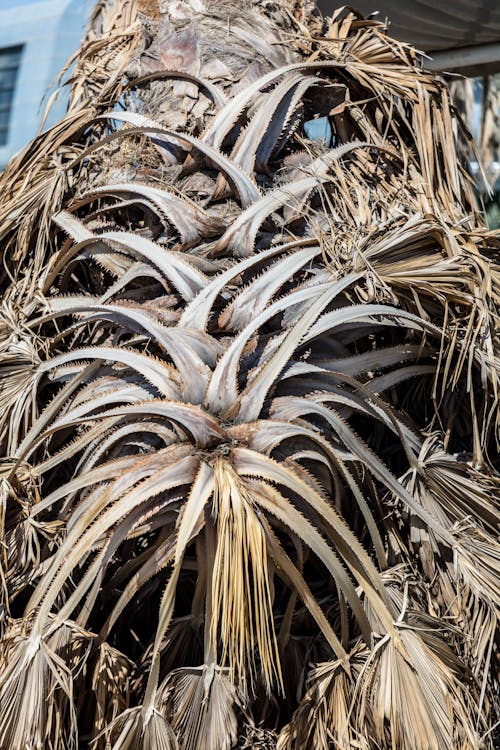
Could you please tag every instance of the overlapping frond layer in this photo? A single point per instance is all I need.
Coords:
(248, 396)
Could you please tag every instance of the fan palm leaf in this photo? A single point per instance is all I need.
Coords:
(248, 396)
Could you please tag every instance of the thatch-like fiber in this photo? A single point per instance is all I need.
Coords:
(248, 396)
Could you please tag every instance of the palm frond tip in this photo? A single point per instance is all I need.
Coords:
(248, 396)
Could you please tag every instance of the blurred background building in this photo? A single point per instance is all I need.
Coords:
(36, 39)
(462, 41)
(459, 35)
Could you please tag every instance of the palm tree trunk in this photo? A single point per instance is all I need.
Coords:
(248, 396)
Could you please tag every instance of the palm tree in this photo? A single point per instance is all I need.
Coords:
(248, 396)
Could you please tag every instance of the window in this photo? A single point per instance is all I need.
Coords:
(10, 57)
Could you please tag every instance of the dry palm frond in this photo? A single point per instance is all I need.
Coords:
(109, 683)
(477, 561)
(132, 730)
(201, 704)
(241, 598)
(248, 396)
(33, 668)
(408, 697)
(258, 738)
(324, 718)
(376, 702)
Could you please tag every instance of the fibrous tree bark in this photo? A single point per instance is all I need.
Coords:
(248, 396)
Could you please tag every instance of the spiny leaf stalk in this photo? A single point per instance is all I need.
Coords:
(249, 379)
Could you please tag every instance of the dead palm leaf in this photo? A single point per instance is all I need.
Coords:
(248, 396)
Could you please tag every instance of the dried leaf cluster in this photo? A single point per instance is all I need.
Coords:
(248, 396)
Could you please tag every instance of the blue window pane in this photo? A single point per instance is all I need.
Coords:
(7, 76)
(5, 98)
(10, 59)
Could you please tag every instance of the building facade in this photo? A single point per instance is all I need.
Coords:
(37, 37)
